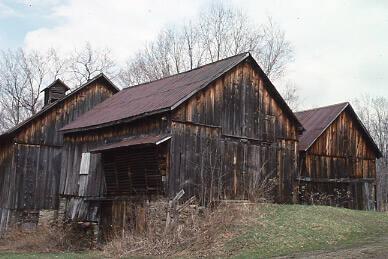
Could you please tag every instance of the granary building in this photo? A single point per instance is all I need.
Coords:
(216, 132)
(31, 152)
(337, 158)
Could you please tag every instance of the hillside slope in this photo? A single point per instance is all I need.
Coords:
(244, 231)
(290, 229)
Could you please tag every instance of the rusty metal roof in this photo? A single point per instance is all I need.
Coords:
(9, 133)
(162, 95)
(316, 121)
(135, 141)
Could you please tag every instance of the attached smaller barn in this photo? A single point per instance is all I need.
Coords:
(337, 163)
(31, 152)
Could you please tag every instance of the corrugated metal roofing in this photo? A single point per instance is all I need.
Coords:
(136, 141)
(316, 121)
(154, 96)
(162, 95)
(9, 133)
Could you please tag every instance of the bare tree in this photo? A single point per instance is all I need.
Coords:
(23, 75)
(58, 65)
(373, 111)
(12, 87)
(192, 52)
(274, 52)
(218, 32)
(290, 93)
(88, 62)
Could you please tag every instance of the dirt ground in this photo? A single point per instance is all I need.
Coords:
(374, 249)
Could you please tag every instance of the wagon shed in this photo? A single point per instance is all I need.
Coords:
(220, 131)
(337, 158)
(31, 152)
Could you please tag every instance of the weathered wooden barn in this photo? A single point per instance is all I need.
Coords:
(337, 158)
(220, 131)
(30, 153)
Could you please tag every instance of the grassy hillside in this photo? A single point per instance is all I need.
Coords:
(267, 230)
(288, 229)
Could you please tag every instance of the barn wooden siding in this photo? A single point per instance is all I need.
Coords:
(6, 165)
(233, 130)
(341, 159)
(245, 133)
(30, 171)
(79, 189)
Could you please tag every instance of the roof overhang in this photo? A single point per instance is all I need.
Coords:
(145, 140)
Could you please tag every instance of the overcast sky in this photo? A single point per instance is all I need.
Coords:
(341, 47)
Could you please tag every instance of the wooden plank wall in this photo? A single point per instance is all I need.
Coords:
(37, 177)
(76, 204)
(342, 152)
(234, 127)
(76, 144)
(241, 121)
(30, 165)
(7, 174)
(44, 131)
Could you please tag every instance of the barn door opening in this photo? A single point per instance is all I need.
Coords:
(135, 167)
(132, 171)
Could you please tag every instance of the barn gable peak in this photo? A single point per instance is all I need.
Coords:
(316, 121)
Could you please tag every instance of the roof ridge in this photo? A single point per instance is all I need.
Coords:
(53, 82)
(184, 72)
(323, 107)
(49, 106)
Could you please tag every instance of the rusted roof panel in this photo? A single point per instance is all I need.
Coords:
(164, 95)
(135, 141)
(316, 121)
(160, 95)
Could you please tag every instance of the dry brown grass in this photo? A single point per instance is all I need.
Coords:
(43, 239)
(199, 232)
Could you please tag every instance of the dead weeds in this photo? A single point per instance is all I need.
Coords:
(198, 232)
(44, 239)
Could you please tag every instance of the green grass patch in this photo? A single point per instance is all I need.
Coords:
(64, 255)
(269, 230)
(289, 229)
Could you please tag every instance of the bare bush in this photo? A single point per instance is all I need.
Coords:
(338, 196)
(46, 238)
(199, 232)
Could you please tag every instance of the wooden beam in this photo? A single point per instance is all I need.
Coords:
(37, 144)
(340, 157)
(247, 139)
(335, 180)
(196, 124)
